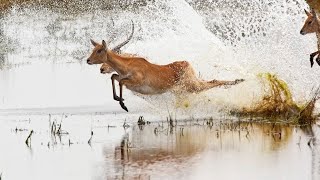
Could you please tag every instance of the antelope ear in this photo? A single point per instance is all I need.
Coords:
(93, 43)
(104, 44)
(307, 12)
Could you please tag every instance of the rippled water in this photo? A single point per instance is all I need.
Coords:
(43, 71)
(189, 150)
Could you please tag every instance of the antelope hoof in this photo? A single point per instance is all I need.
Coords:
(123, 106)
(117, 98)
(318, 60)
(311, 60)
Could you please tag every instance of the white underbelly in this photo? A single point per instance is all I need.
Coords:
(145, 89)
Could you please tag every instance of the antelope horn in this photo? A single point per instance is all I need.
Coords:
(118, 47)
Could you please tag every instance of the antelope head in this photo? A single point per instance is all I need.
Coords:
(106, 69)
(99, 53)
(311, 24)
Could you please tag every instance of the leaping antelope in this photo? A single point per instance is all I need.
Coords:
(311, 25)
(141, 76)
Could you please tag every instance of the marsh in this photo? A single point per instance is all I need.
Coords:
(44, 78)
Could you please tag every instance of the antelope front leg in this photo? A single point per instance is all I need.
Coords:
(121, 83)
(312, 56)
(115, 97)
(127, 82)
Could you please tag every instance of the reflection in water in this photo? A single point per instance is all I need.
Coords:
(153, 152)
(2, 54)
(188, 150)
(315, 149)
(2, 60)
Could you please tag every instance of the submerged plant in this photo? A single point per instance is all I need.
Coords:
(277, 103)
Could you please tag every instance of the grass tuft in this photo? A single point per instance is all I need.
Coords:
(277, 103)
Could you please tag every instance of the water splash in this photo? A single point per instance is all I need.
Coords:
(222, 40)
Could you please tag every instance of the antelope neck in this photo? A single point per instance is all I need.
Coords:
(118, 63)
(318, 23)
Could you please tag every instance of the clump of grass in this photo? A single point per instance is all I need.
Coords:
(28, 140)
(56, 129)
(209, 122)
(182, 102)
(142, 122)
(125, 125)
(89, 141)
(277, 103)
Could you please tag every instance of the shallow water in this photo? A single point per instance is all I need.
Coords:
(189, 150)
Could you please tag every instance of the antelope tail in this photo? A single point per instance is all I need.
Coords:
(198, 86)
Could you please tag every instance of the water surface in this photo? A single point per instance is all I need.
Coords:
(43, 71)
(189, 150)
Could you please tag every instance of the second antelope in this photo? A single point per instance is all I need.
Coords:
(311, 25)
(141, 76)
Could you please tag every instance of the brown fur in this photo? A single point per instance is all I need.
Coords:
(106, 69)
(311, 25)
(141, 76)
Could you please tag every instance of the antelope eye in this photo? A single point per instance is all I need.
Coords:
(309, 22)
(99, 51)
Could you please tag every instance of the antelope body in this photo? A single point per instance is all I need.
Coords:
(311, 25)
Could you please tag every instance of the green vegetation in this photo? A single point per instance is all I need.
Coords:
(277, 103)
